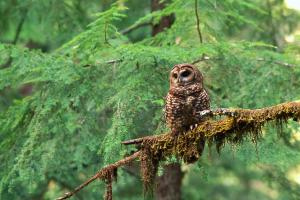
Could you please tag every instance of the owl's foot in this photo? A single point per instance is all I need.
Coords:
(205, 113)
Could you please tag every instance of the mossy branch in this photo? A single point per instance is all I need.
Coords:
(243, 123)
(233, 128)
(105, 174)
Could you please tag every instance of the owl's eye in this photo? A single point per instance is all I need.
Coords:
(185, 74)
(175, 75)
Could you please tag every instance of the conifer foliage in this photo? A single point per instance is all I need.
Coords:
(95, 77)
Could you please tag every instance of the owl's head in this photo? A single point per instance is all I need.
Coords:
(185, 74)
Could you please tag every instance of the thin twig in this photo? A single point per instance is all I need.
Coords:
(134, 27)
(19, 27)
(198, 21)
(100, 174)
(285, 64)
(105, 62)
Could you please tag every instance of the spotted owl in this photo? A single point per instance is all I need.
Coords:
(186, 98)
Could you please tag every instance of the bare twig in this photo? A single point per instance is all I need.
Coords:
(198, 21)
(101, 174)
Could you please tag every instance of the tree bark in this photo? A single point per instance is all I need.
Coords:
(165, 22)
(169, 184)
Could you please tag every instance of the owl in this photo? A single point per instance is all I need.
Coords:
(186, 99)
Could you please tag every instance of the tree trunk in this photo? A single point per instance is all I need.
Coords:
(169, 184)
(165, 22)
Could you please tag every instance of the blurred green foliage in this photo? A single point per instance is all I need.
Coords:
(91, 87)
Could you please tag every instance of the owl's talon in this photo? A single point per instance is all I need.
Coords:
(204, 113)
(191, 127)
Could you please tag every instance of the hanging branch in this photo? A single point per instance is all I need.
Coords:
(237, 125)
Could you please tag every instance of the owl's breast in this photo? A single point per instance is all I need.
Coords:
(181, 111)
(178, 111)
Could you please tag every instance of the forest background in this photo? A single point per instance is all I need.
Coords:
(79, 77)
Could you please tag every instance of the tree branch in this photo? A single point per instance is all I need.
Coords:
(233, 129)
(101, 174)
(237, 125)
(203, 114)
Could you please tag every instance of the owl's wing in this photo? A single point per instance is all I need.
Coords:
(202, 103)
(168, 107)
